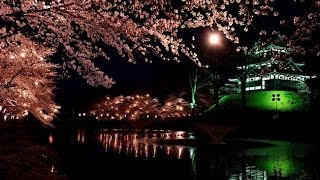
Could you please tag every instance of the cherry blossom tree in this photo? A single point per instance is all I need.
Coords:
(137, 107)
(122, 107)
(135, 28)
(175, 107)
(26, 79)
(294, 23)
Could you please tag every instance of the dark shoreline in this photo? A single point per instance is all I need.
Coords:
(25, 154)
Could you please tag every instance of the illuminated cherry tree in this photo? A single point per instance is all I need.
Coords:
(26, 80)
(125, 108)
(175, 107)
(137, 107)
(135, 28)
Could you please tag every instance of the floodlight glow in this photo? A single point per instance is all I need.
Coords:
(289, 101)
(214, 39)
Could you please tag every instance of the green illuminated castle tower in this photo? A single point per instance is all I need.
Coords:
(272, 68)
(273, 81)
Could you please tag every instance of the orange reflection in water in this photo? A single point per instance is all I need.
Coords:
(144, 144)
(50, 138)
(80, 135)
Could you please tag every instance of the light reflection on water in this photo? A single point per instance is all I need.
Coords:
(278, 160)
(145, 144)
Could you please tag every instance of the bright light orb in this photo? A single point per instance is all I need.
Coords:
(214, 39)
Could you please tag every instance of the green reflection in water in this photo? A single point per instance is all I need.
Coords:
(280, 159)
(193, 162)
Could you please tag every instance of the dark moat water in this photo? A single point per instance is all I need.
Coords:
(164, 154)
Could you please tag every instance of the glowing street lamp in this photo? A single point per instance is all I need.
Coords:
(214, 39)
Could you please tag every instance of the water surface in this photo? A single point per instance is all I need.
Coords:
(165, 154)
